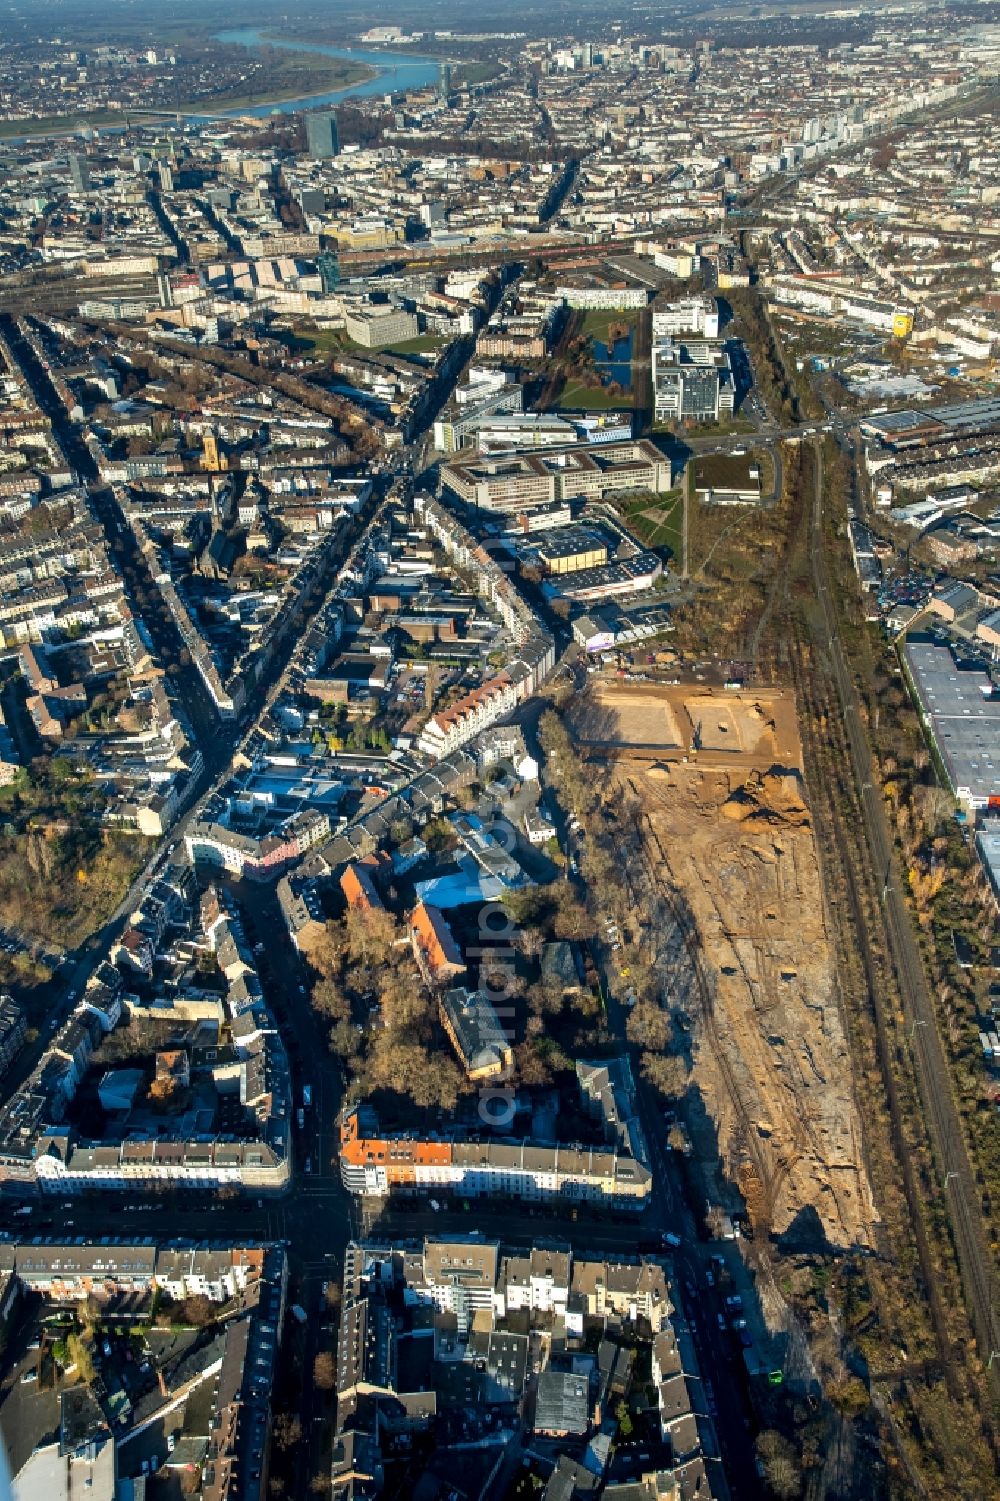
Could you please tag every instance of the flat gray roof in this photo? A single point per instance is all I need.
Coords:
(965, 722)
(963, 412)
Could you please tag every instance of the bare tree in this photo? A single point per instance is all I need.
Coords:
(287, 1429)
(781, 1465)
(936, 806)
(666, 1072)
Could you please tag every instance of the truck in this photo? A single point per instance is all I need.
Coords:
(300, 1117)
(307, 1095)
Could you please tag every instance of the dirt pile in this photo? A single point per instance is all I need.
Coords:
(774, 799)
(678, 721)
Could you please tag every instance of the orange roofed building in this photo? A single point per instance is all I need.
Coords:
(381, 1165)
(359, 889)
(434, 948)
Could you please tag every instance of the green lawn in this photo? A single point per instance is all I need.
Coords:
(657, 521)
(735, 427)
(318, 340)
(576, 397)
(597, 322)
(733, 469)
(723, 469)
(323, 341)
(422, 344)
(59, 124)
(473, 72)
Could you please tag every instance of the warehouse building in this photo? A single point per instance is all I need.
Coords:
(962, 717)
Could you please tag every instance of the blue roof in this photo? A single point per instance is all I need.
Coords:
(460, 889)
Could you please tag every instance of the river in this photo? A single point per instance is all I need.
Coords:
(396, 72)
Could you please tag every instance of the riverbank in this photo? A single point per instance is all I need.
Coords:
(292, 77)
(300, 75)
(387, 72)
(57, 125)
(292, 80)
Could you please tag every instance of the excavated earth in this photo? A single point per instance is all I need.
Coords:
(729, 853)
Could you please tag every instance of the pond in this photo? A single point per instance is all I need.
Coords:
(615, 364)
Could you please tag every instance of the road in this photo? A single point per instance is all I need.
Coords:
(671, 1210)
(122, 547)
(959, 1192)
(713, 1355)
(217, 739)
(314, 1215)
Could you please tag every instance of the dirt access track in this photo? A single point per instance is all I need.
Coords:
(728, 870)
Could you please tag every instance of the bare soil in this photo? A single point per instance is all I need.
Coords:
(685, 720)
(728, 845)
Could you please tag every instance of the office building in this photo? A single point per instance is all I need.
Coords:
(692, 381)
(79, 172)
(697, 314)
(374, 328)
(328, 267)
(322, 139)
(515, 482)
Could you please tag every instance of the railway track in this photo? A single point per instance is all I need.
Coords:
(855, 773)
(846, 869)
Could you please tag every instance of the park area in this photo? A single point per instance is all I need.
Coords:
(326, 342)
(657, 521)
(595, 362)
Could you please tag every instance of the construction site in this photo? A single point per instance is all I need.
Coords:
(724, 872)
